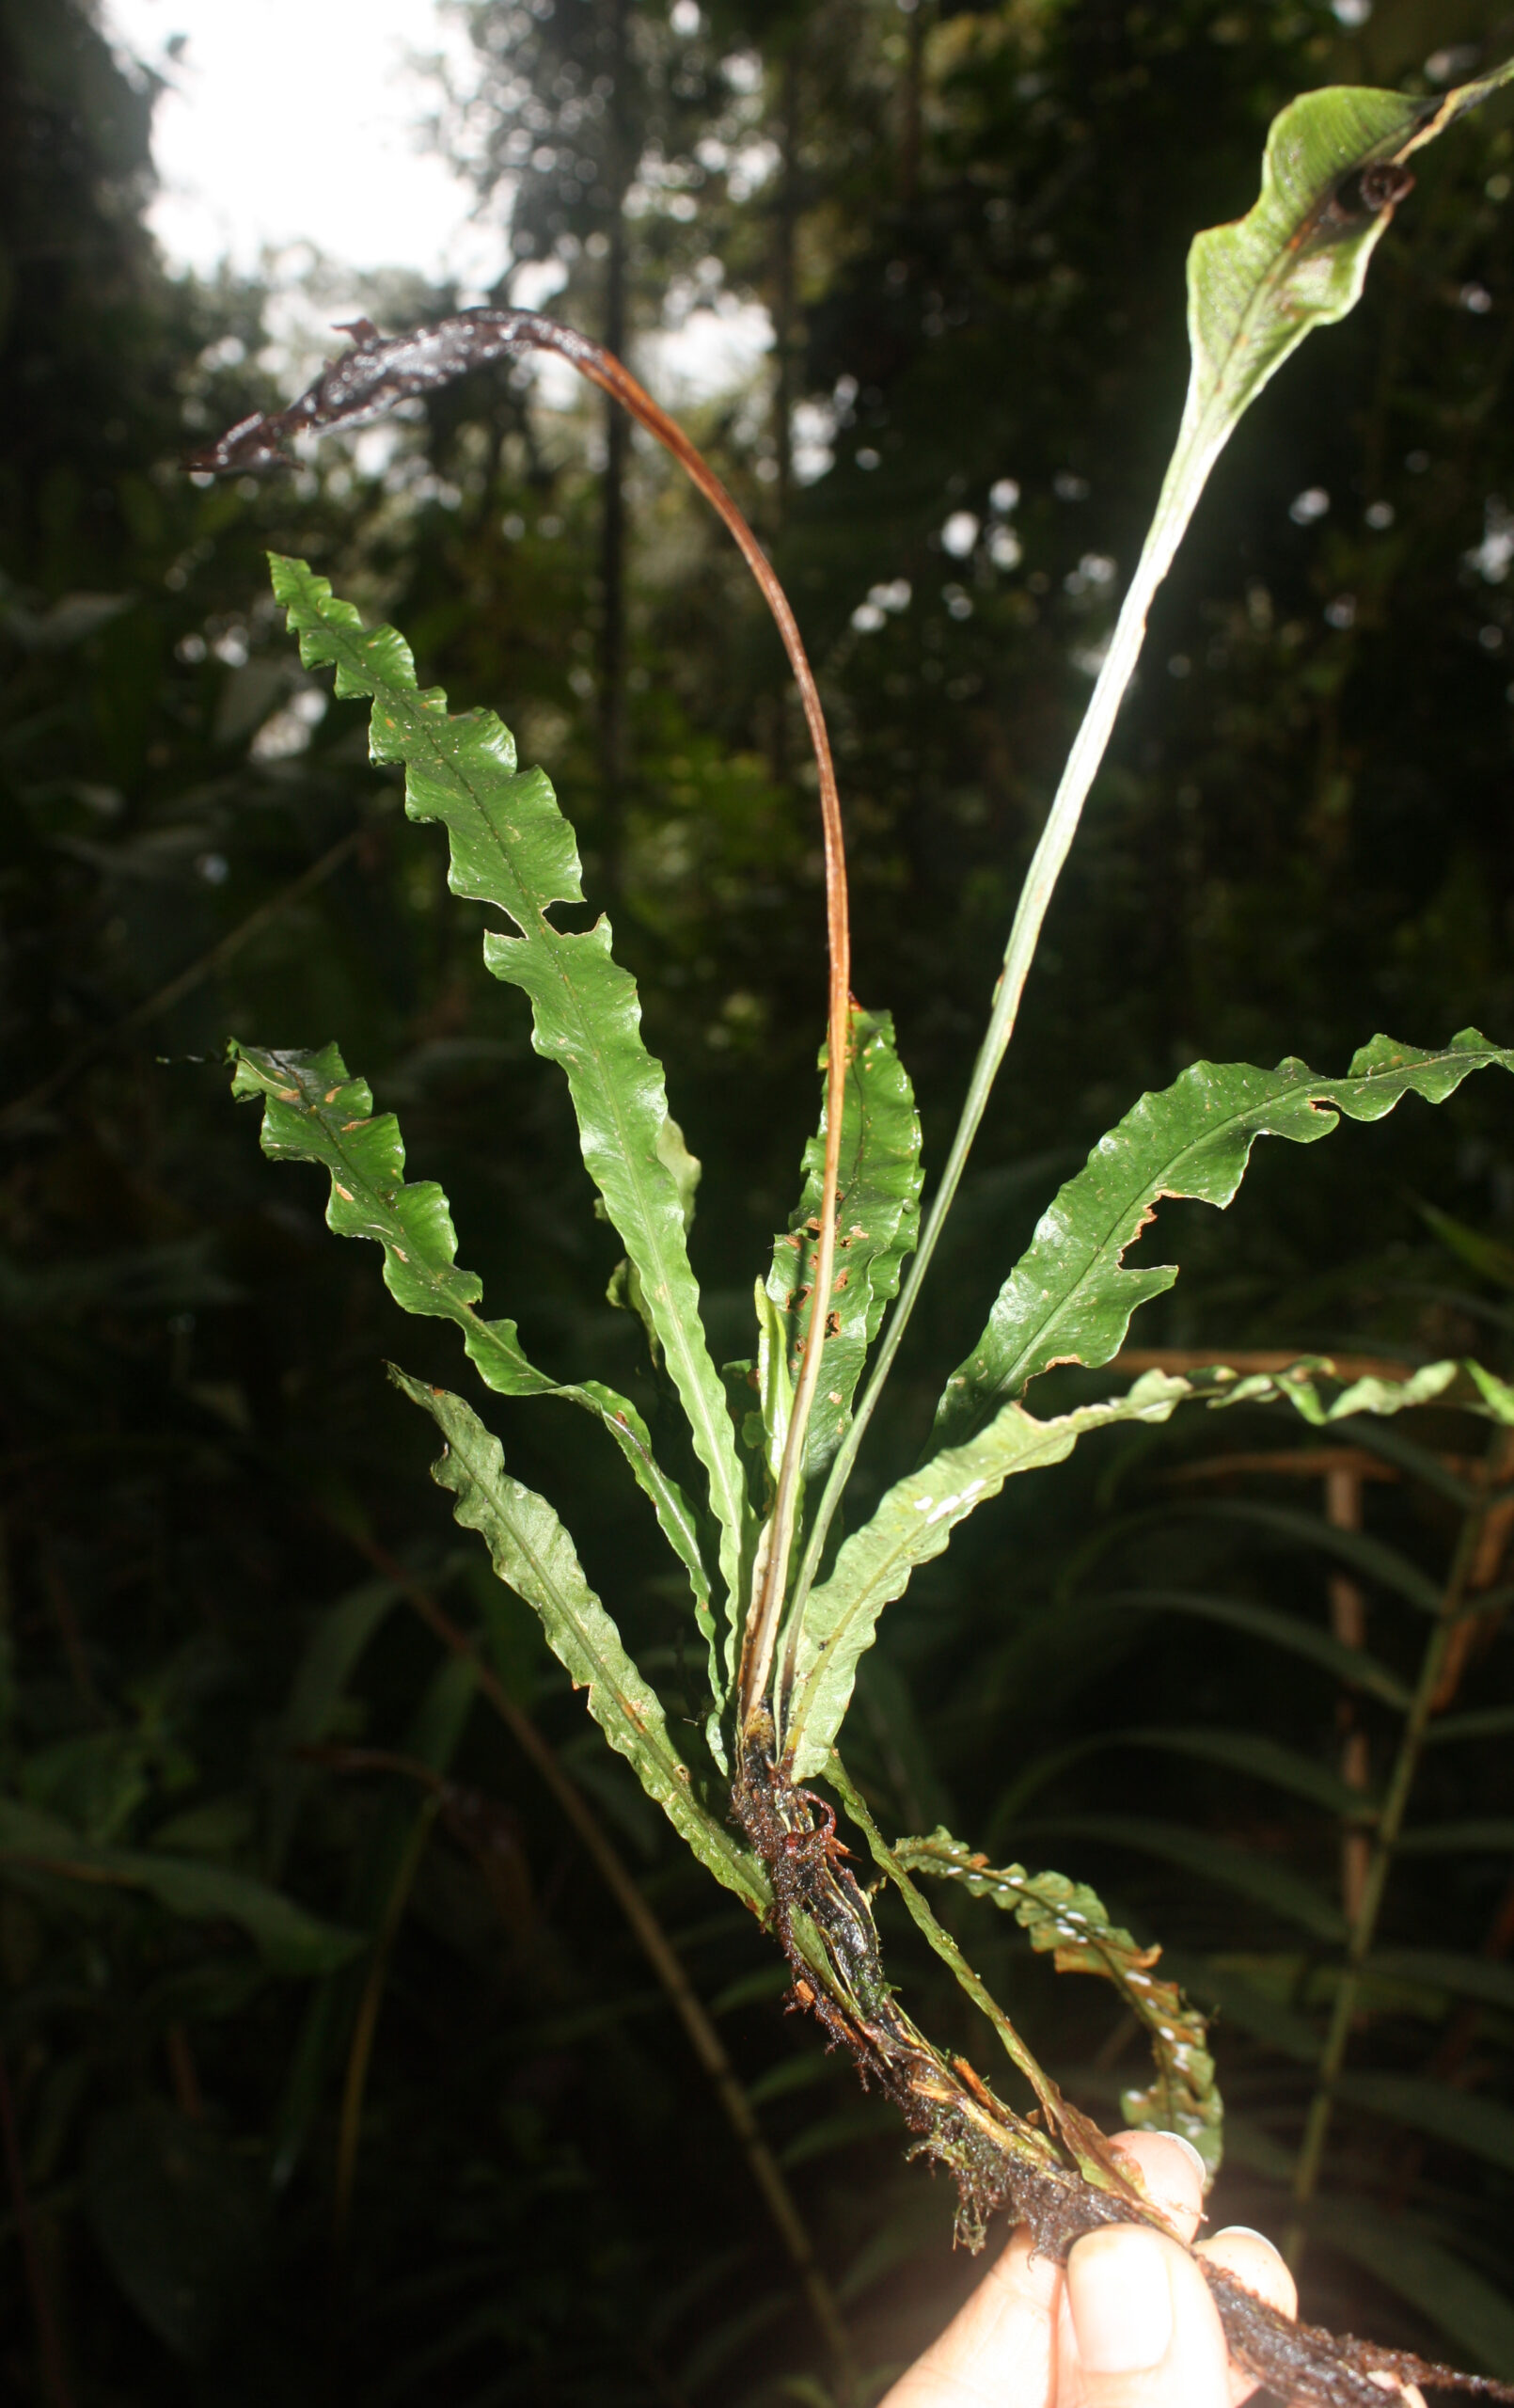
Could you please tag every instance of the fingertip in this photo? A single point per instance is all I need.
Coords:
(1141, 2328)
(1181, 2140)
(1250, 2257)
(1120, 2300)
(1409, 2392)
(1172, 2175)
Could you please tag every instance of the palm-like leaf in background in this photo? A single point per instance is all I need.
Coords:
(290, 1938)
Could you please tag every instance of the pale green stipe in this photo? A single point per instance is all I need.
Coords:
(1256, 288)
(877, 1219)
(877, 1215)
(533, 1555)
(1071, 1921)
(512, 847)
(315, 1112)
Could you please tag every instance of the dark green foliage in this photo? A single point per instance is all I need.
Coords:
(1070, 1300)
(1304, 836)
(881, 1176)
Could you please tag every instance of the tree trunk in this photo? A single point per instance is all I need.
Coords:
(617, 438)
(913, 92)
(783, 279)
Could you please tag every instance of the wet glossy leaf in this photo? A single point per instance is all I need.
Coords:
(314, 1112)
(512, 847)
(1070, 1299)
(533, 1554)
(1331, 176)
(916, 1517)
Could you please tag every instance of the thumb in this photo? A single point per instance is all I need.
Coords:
(1140, 2329)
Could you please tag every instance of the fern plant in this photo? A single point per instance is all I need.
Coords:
(783, 1604)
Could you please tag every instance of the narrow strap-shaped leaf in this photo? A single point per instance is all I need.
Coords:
(877, 1215)
(1488, 1835)
(1351, 1666)
(1481, 1722)
(1397, 2251)
(533, 1555)
(1252, 1753)
(1070, 1299)
(915, 1519)
(512, 847)
(1283, 1891)
(314, 1112)
(1357, 1550)
(1481, 2125)
(1070, 1920)
(1482, 1977)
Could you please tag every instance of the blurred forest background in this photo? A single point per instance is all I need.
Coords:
(331, 2064)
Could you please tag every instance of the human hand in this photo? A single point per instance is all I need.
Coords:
(1130, 2322)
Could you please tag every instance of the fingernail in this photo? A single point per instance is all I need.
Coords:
(1199, 2166)
(1250, 2232)
(1121, 2309)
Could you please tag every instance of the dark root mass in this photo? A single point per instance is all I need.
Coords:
(997, 2160)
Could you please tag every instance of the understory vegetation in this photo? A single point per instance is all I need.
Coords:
(365, 2027)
